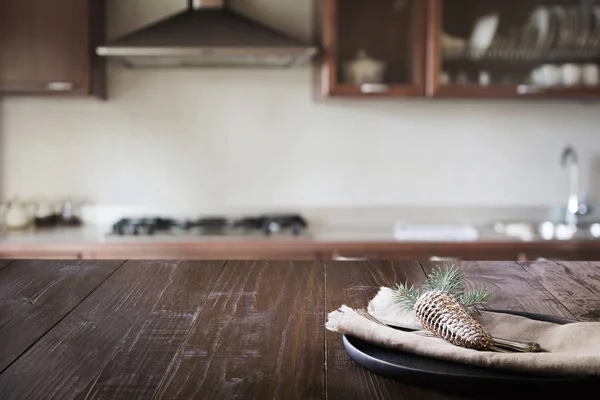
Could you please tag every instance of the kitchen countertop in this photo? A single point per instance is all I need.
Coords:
(229, 329)
(336, 232)
(334, 224)
(98, 235)
(326, 217)
(341, 243)
(321, 234)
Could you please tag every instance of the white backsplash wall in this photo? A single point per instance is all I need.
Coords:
(237, 138)
(202, 140)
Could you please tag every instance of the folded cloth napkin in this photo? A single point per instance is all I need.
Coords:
(571, 349)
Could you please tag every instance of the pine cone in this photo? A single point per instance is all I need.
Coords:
(442, 314)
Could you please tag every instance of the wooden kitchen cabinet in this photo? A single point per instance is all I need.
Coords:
(463, 48)
(471, 251)
(40, 255)
(475, 251)
(529, 48)
(390, 33)
(192, 251)
(423, 255)
(422, 251)
(47, 47)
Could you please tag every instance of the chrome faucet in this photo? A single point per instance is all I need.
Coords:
(574, 206)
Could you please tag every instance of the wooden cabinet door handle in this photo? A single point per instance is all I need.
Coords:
(338, 257)
(436, 258)
(374, 88)
(60, 86)
(523, 90)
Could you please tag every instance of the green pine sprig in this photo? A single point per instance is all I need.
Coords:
(446, 278)
(406, 296)
(475, 298)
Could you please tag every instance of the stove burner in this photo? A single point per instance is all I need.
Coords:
(142, 226)
(270, 224)
(267, 224)
(208, 226)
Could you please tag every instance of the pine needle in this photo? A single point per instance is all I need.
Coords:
(448, 279)
(406, 296)
(474, 298)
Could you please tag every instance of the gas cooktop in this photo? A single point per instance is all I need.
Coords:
(267, 224)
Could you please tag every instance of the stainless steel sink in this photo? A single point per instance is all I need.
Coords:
(548, 230)
(575, 220)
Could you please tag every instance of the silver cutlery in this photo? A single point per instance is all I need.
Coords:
(500, 345)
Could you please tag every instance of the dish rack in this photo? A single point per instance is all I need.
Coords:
(551, 34)
(526, 55)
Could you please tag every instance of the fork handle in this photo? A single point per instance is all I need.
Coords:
(523, 347)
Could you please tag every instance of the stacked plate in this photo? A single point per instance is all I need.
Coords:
(548, 29)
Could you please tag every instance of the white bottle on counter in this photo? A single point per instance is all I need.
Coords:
(17, 215)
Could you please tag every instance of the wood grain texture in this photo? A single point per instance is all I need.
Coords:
(398, 38)
(575, 284)
(241, 329)
(121, 340)
(35, 295)
(354, 284)
(260, 336)
(434, 56)
(5, 263)
(51, 41)
(513, 288)
(98, 78)
(43, 42)
(306, 249)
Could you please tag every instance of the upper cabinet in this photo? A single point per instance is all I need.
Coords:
(47, 46)
(526, 48)
(462, 48)
(374, 48)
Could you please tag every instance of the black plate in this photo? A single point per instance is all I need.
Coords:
(441, 374)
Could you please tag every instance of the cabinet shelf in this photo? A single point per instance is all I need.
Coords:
(390, 32)
(517, 56)
(503, 63)
(348, 90)
(517, 91)
(410, 44)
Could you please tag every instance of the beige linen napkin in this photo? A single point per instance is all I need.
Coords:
(572, 349)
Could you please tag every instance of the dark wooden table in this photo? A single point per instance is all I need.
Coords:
(226, 329)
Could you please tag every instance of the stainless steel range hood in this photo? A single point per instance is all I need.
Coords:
(208, 34)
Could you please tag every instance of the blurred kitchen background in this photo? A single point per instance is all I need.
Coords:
(362, 168)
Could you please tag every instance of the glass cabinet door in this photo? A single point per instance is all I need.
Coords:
(499, 48)
(374, 47)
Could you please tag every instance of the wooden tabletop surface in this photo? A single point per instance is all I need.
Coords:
(226, 329)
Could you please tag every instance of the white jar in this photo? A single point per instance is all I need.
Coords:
(591, 75)
(571, 75)
(364, 69)
(548, 75)
(17, 215)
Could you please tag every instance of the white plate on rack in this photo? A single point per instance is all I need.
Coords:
(483, 34)
(540, 21)
(596, 31)
(563, 28)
